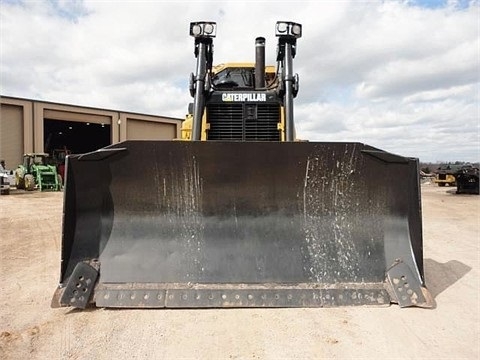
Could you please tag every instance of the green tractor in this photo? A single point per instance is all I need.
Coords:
(36, 171)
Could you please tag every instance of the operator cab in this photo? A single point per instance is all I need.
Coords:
(239, 76)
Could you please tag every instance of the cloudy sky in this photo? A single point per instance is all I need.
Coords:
(403, 76)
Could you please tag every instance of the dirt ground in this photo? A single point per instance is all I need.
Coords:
(30, 242)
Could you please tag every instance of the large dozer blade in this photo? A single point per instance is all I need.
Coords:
(241, 224)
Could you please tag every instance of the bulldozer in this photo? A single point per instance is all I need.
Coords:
(37, 172)
(241, 213)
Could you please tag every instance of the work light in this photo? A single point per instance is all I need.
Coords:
(287, 28)
(203, 29)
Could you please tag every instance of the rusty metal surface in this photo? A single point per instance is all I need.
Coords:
(242, 213)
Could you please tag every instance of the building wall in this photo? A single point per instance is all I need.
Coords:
(22, 125)
(16, 130)
(140, 129)
(11, 134)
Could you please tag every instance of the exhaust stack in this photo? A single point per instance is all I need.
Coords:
(259, 63)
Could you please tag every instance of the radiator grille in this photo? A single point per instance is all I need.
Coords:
(243, 121)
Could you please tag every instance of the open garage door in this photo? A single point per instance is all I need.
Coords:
(78, 137)
(72, 137)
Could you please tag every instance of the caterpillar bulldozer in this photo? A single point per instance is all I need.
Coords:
(241, 213)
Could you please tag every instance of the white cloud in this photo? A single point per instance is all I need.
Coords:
(398, 75)
(456, 66)
(454, 92)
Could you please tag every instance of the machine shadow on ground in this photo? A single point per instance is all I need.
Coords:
(440, 276)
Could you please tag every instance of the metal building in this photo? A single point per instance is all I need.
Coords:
(28, 126)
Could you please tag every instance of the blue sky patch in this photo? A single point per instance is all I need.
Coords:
(12, 2)
(71, 10)
(437, 4)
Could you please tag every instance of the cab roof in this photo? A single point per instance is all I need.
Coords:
(217, 68)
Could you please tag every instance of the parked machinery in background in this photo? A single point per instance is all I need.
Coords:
(4, 179)
(467, 180)
(36, 172)
(445, 174)
(58, 159)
